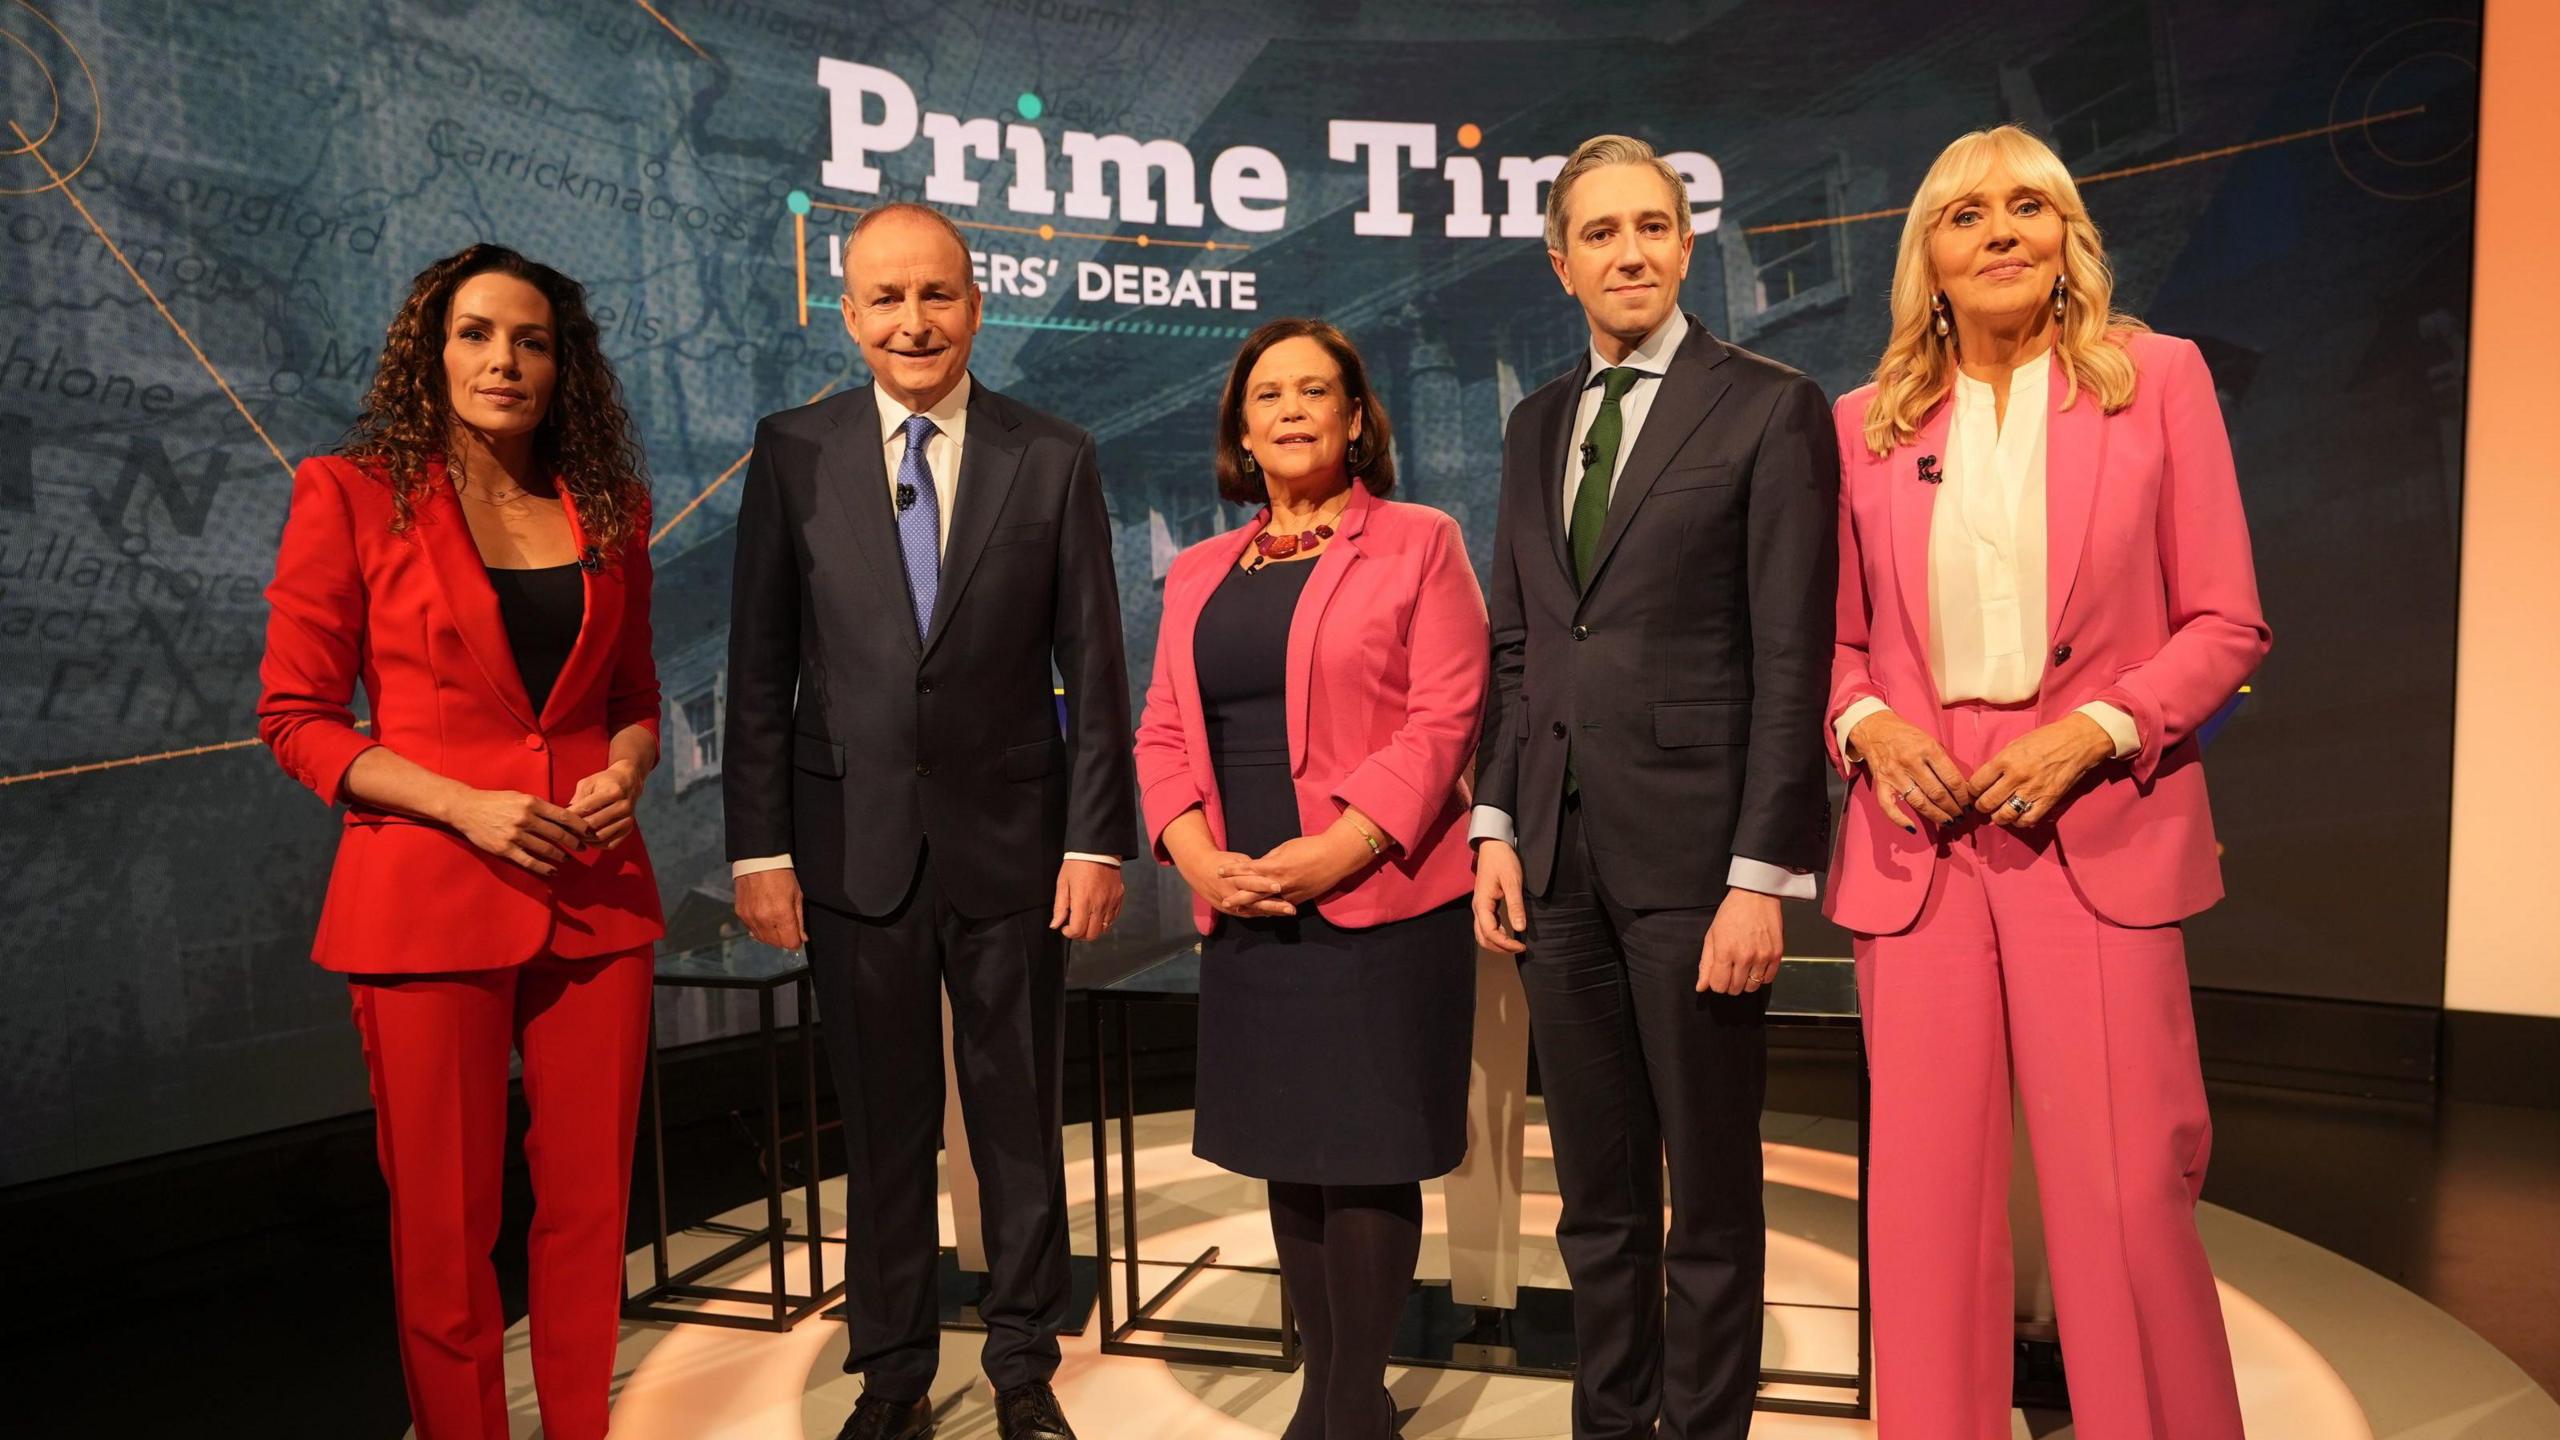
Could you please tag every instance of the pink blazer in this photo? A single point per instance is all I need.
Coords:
(2152, 603)
(1385, 691)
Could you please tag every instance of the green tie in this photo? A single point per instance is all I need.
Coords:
(1600, 461)
(1591, 499)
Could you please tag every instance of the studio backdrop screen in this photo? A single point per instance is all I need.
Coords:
(209, 212)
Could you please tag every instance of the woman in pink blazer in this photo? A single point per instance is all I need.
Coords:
(1318, 680)
(2045, 589)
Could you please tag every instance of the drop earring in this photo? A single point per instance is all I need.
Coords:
(1249, 466)
(1938, 308)
(2060, 294)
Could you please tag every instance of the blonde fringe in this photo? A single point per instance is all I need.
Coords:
(1918, 367)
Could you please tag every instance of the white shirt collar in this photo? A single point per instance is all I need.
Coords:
(950, 414)
(1653, 357)
(2027, 379)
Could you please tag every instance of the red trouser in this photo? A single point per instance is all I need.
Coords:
(437, 1048)
(2009, 977)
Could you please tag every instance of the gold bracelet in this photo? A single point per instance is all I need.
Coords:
(1376, 845)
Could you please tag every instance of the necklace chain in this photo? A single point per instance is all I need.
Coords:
(1268, 546)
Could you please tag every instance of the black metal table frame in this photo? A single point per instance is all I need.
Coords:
(785, 1308)
(1145, 1314)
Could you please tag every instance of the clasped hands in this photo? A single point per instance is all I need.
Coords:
(1278, 882)
(538, 835)
(1913, 772)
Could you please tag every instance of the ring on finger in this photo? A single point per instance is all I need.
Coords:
(2020, 804)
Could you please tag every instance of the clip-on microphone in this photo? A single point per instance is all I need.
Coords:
(906, 497)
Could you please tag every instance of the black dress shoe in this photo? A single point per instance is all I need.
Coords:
(874, 1418)
(1030, 1412)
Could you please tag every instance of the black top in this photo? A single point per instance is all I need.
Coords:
(1241, 651)
(1326, 1056)
(543, 609)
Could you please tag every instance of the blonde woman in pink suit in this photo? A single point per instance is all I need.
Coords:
(2045, 588)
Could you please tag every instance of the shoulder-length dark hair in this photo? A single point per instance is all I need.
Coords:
(584, 441)
(1372, 456)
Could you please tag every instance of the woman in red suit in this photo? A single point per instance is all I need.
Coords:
(477, 558)
(1318, 680)
(2045, 589)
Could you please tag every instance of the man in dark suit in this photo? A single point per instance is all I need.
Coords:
(912, 558)
(1650, 781)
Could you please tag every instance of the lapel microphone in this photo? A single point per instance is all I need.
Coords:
(906, 497)
(591, 562)
(1929, 470)
(1590, 452)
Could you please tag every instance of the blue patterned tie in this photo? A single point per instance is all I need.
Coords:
(920, 523)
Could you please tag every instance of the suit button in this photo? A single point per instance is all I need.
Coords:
(1557, 729)
(923, 769)
(533, 742)
(1581, 632)
(2061, 653)
(924, 687)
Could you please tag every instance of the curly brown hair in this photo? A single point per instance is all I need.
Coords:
(584, 440)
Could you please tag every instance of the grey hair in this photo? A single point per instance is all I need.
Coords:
(1602, 150)
(915, 208)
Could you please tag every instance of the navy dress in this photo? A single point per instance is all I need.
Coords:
(1328, 1056)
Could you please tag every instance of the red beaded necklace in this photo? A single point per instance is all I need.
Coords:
(1268, 547)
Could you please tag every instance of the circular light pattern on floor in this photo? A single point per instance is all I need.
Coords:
(2325, 1350)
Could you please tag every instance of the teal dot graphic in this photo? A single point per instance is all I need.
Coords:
(1027, 105)
(798, 200)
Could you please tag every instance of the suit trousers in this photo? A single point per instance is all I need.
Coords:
(436, 1047)
(1639, 1069)
(880, 982)
(2009, 977)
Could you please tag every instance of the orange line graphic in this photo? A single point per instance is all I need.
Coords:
(154, 297)
(192, 751)
(96, 765)
(800, 261)
(97, 122)
(1052, 232)
(2130, 170)
(1043, 232)
(734, 466)
(671, 28)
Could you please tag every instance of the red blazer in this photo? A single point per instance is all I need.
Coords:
(1388, 656)
(412, 616)
(2152, 603)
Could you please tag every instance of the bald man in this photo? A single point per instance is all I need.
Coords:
(913, 558)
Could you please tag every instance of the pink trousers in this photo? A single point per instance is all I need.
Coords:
(2009, 977)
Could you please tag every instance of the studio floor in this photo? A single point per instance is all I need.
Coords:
(2325, 1349)
(2388, 1271)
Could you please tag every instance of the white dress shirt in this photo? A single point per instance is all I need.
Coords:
(1988, 632)
(1649, 360)
(950, 416)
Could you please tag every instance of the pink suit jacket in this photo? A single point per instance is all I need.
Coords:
(2152, 605)
(1388, 656)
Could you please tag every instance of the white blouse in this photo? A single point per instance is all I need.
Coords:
(1988, 633)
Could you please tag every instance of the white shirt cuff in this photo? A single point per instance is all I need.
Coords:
(1858, 710)
(783, 862)
(1767, 879)
(1489, 822)
(2118, 725)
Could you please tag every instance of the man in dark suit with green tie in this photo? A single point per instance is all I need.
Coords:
(1651, 781)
